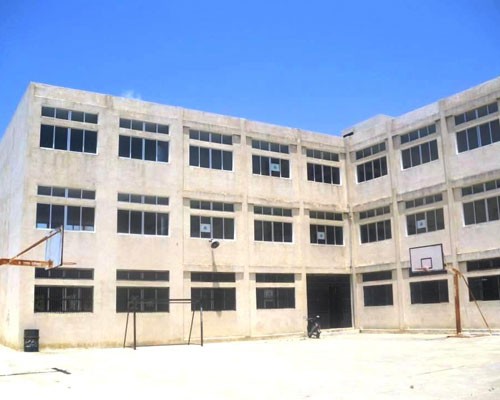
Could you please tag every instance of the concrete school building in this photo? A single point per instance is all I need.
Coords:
(306, 223)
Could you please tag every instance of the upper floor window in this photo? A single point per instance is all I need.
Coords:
(269, 166)
(143, 199)
(323, 173)
(64, 273)
(326, 234)
(210, 158)
(274, 278)
(143, 149)
(72, 139)
(330, 216)
(71, 115)
(420, 154)
(481, 187)
(370, 151)
(376, 231)
(478, 136)
(69, 193)
(476, 113)
(213, 277)
(482, 210)
(73, 218)
(141, 275)
(418, 134)
(427, 221)
(270, 146)
(205, 225)
(322, 155)
(212, 137)
(483, 264)
(375, 212)
(143, 126)
(273, 230)
(372, 169)
(211, 205)
(142, 222)
(421, 201)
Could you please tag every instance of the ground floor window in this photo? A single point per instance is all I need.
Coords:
(142, 299)
(427, 292)
(275, 298)
(484, 288)
(64, 299)
(378, 295)
(213, 299)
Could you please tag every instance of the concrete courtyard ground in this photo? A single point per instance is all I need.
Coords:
(337, 366)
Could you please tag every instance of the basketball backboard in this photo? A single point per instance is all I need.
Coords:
(426, 259)
(54, 248)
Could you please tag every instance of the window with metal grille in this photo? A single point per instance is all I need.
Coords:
(274, 298)
(142, 299)
(63, 299)
(213, 299)
(378, 295)
(427, 292)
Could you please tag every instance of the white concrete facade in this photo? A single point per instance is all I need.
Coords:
(328, 279)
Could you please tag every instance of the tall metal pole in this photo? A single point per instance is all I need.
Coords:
(201, 324)
(135, 328)
(457, 303)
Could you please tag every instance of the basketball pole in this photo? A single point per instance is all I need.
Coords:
(458, 321)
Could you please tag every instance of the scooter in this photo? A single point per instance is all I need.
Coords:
(313, 327)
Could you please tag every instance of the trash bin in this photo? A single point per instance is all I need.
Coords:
(31, 340)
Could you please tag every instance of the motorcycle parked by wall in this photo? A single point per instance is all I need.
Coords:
(313, 327)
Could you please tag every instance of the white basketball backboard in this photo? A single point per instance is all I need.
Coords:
(426, 259)
(54, 248)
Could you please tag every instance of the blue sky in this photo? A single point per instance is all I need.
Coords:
(317, 65)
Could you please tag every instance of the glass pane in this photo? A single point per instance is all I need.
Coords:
(195, 226)
(495, 130)
(264, 166)
(327, 174)
(194, 156)
(62, 114)
(493, 212)
(150, 150)
(48, 112)
(218, 228)
(462, 141)
(57, 216)
(415, 156)
(411, 226)
(47, 136)
(163, 129)
(162, 151)
(125, 123)
(285, 168)
(228, 228)
(162, 224)
(136, 222)
(204, 157)
(472, 138)
(61, 138)
(150, 127)
(90, 142)
(88, 217)
(227, 160)
(124, 146)
(480, 211)
(469, 213)
(91, 118)
(287, 232)
(277, 231)
(123, 221)
(318, 173)
(216, 159)
(255, 164)
(77, 116)
(149, 223)
(137, 144)
(76, 140)
(43, 216)
(485, 134)
(268, 231)
(258, 230)
(434, 150)
(137, 125)
(227, 139)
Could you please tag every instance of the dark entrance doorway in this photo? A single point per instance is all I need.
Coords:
(329, 296)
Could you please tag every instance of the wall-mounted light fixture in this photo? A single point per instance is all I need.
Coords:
(214, 243)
